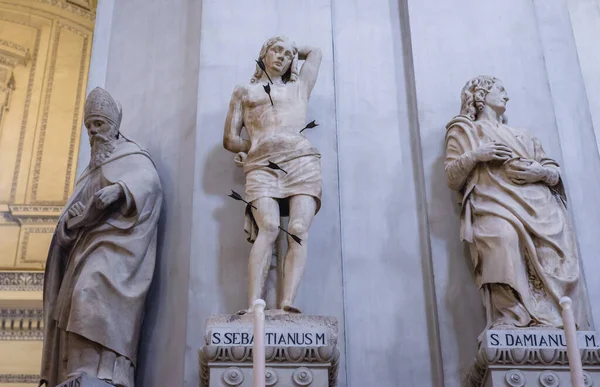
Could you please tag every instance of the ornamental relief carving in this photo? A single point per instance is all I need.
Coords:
(43, 44)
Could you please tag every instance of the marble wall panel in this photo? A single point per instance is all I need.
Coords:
(386, 275)
(585, 19)
(581, 160)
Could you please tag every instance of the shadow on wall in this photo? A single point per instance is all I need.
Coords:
(220, 176)
(461, 296)
(151, 310)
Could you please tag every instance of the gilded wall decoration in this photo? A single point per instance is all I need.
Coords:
(45, 49)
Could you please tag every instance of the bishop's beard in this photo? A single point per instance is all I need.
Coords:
(102, 147)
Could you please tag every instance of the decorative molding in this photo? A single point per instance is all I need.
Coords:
(13, 54)
(16, 335)
(25, 242)
(46, 112)
(275, 356)
(18, 47)
(522, 358)
(20, 210)
(19, 378)
(71, 7)
(21, 318)
(13, 189)
(15, 281)
(47, 102)
(21, 324)
(8, 61)
(39, 221)
(233, 376)
(515, 378)
(76, 124)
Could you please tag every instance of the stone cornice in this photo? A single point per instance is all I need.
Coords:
(75, 7)
(21, 324)
(19, 378)
(18, 281)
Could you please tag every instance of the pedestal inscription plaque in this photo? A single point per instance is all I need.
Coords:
(301, 351)
(532, 357)
(84, 381)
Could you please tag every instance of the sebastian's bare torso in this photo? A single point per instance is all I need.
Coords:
(277, 127)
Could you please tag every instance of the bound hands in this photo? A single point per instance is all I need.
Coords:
(101, 200)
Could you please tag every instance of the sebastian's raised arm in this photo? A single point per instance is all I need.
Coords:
(232, 139)
(310, 68)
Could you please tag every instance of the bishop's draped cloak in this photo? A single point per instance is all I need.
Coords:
(519, 235)
(97, 277)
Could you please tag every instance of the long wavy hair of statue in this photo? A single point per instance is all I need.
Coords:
(291, 75)
(472, 97)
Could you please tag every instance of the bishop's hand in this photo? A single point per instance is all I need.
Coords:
(492, 151)
(108, 195)
(75, 210)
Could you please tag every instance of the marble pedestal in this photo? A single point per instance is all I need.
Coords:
(300, 351)
(532, 357)
(84, 381)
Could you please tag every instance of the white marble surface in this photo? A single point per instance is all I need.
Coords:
(388, 335)
(585, 19)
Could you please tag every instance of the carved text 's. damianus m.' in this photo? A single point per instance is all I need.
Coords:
(514, 214)
(282, 168)
(102, 257)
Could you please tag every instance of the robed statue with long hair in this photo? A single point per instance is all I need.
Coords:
(514, 215)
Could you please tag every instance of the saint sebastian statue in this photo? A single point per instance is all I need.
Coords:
(514, 214)
(101, 258)
(273, 122)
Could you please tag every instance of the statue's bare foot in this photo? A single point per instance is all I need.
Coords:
(291, 309)
(503, 325)
(244, 311)
(542, 326)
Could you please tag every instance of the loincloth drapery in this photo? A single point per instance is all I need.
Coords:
(303, 177)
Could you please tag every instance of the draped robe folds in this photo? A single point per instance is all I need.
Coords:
(97, 276)
(519, 235)
(303, 166)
